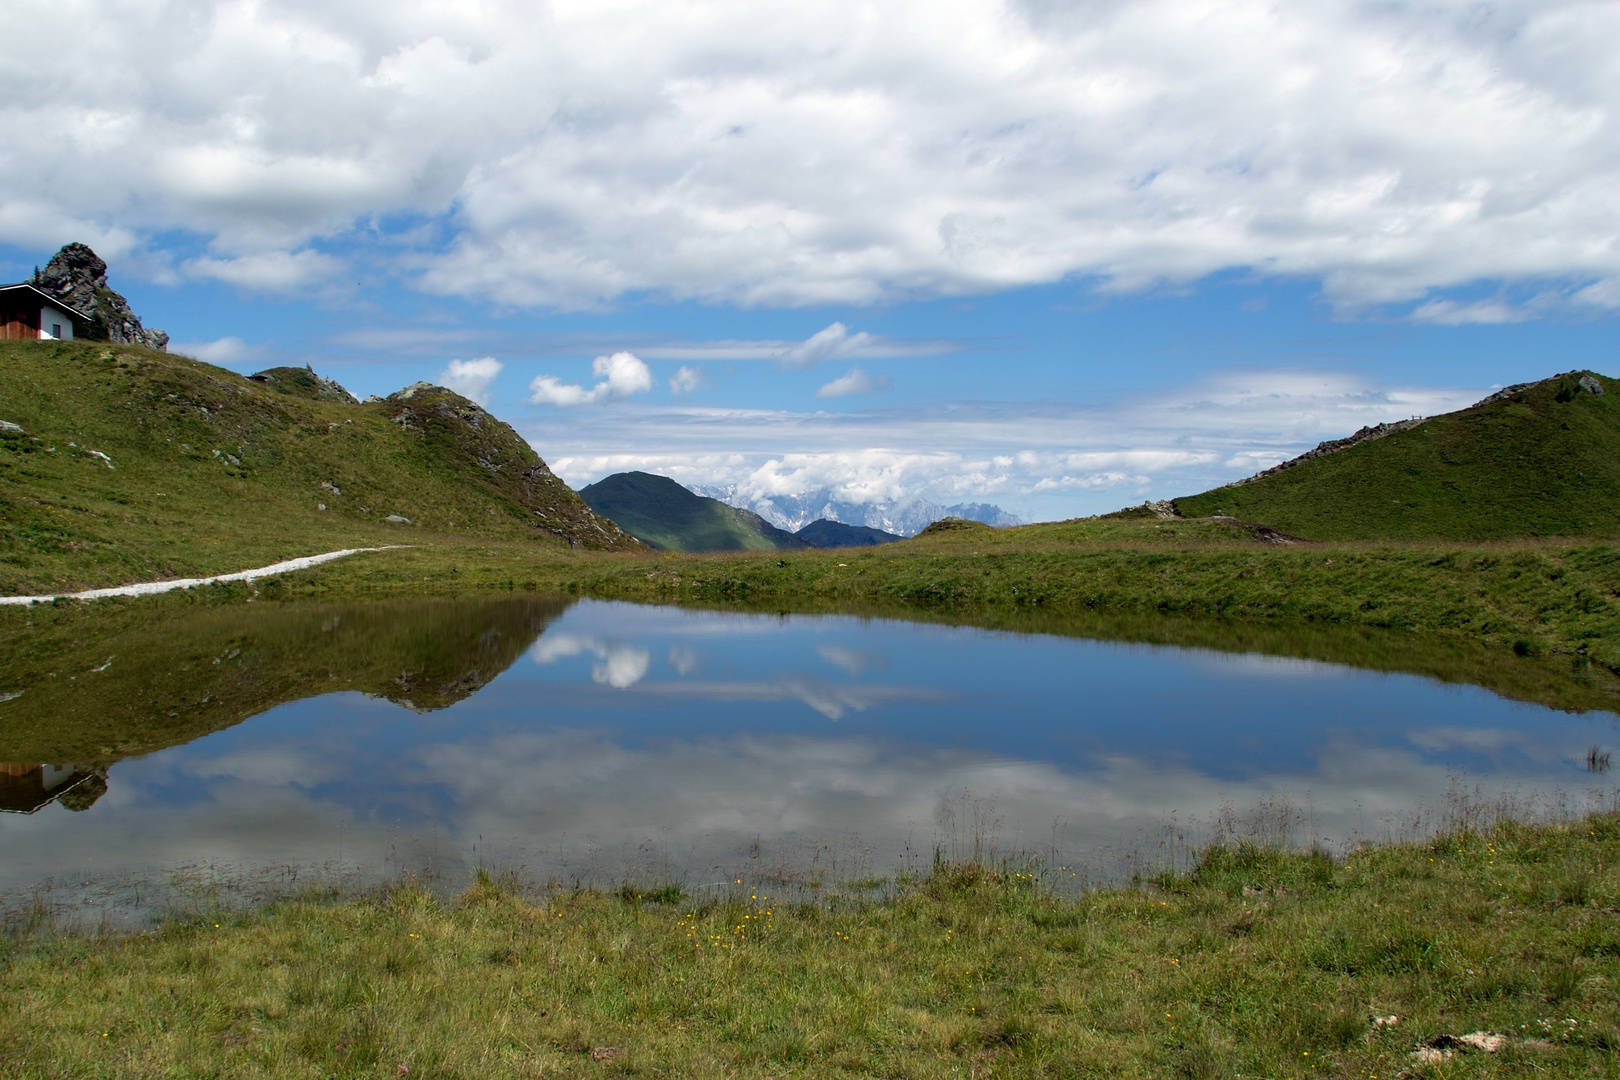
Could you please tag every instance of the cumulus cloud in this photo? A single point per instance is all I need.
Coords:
(687, 380)
(1039, 460)
(225, 350)
(855, 381)
(618, 665)
(270, 271)
(622, 374)
(828, 152)
(833, 343)
(472, 378)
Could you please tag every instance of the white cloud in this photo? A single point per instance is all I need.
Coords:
(855, 381)
(1481, 311)
(225, 350)
(862, 345)
(618, 665)
(270, 271)
(687, 380)
(622, 374)
(833, 343)
(834, 151)
(684, 659)
(472, 378)
(1040, 461)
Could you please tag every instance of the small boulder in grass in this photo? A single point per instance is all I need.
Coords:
(1446, 1047)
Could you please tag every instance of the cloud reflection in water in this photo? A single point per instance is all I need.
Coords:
(1084, 743)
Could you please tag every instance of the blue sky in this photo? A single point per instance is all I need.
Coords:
(1061, 257)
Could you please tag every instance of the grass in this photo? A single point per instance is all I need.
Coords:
(1542, 462)
(1256, 962)
(1548, 598)
(133, 465)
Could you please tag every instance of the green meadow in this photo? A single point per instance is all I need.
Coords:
(1255, 962)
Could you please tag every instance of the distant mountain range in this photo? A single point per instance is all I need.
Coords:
(906, 517)
(663, 514)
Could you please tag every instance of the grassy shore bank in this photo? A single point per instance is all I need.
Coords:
(1533, 597)
(1255, 963)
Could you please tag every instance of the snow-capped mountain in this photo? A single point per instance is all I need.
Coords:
(906, 517)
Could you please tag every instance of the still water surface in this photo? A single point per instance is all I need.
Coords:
(598, 741)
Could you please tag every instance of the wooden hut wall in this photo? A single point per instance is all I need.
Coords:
(19, 320)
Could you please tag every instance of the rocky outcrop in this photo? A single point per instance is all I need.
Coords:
(77, 276)
(303, 382)
(1571, 384)
(490, 450)
(1366, 434)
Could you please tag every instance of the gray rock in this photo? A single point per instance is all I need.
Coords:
(77, 276)
(1591, 385)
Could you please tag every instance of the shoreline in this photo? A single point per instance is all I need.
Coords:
(156, 588)
(1253, 961)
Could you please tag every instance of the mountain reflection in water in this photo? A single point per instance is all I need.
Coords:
(590, 740)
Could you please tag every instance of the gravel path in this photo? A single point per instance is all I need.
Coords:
(151, 588)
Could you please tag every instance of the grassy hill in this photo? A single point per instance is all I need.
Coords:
(660, 512)
(1536, 460)
(121, 463)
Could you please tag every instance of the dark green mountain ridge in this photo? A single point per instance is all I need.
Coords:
(835, 534)
(661, 513)
(1535, 460)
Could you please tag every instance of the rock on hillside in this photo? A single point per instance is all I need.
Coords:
(303, 382)
(464, 431)
(77, 276)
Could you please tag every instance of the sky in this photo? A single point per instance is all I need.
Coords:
(1058, 256)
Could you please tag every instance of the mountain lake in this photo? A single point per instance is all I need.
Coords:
(232, 753)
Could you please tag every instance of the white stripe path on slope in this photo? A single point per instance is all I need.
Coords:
(152, 588)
